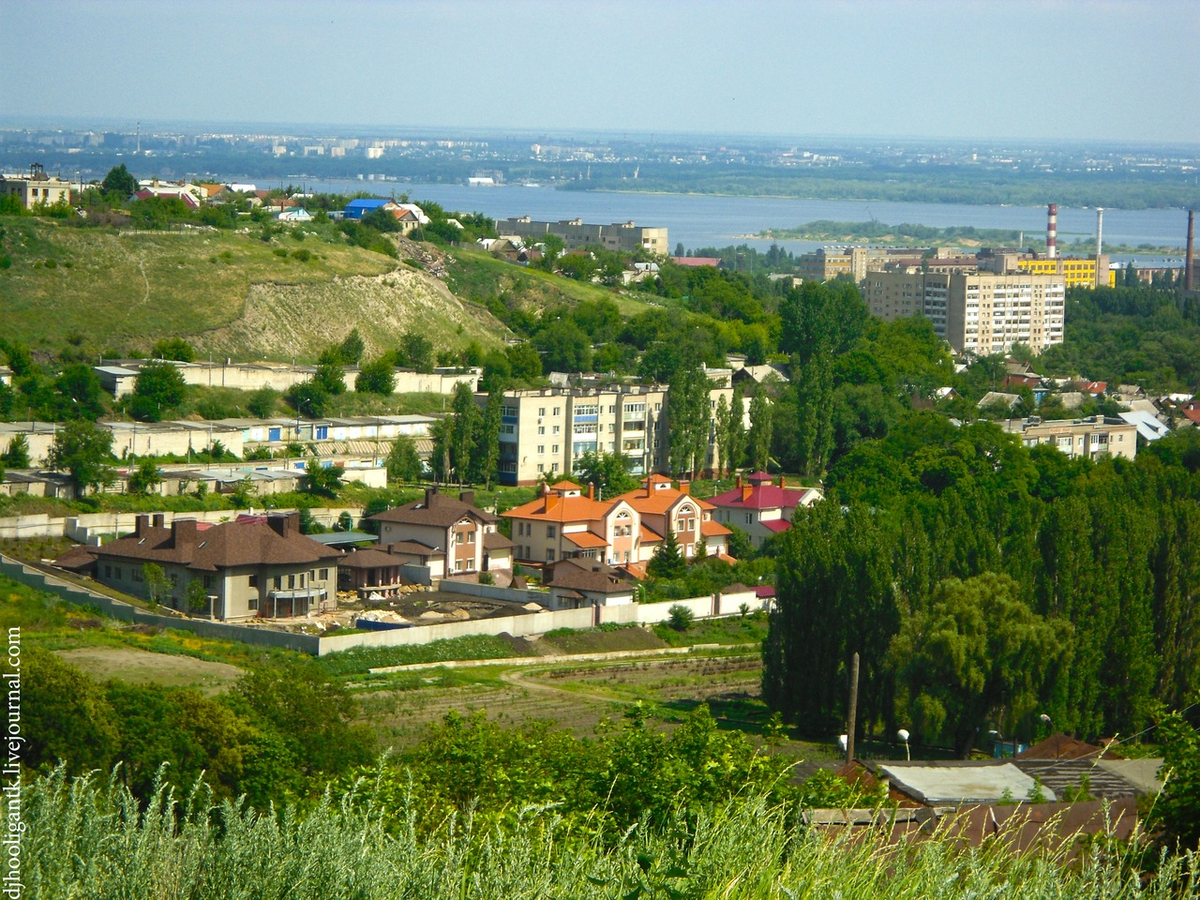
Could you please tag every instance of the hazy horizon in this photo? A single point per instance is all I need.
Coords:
(1112, 71)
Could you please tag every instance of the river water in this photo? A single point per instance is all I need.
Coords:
(706, 221)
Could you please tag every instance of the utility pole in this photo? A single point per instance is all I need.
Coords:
(853, 712)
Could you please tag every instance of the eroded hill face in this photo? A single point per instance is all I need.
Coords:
(100, 292)
(282, 321)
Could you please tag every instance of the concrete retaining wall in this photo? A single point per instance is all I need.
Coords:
(518, 626)
(81, 596)
(87, 528)
(494, 592)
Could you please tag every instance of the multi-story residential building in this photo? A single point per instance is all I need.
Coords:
(466, 534)
(759, 507)
(564, 523)
(981, 313)
(827, 263)
(254, 566)
(35, 188)
(620, 236)
(1090, 438)
(543, 432)
(664, 508)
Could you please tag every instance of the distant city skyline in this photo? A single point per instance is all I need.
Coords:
(1110, 70)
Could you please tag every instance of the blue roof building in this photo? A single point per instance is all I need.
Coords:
(356, 209)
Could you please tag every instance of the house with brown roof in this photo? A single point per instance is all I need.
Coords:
(761, 508)
(564, 523)
(662, 506)
(580, 583)
(260, 566)
(466, 534)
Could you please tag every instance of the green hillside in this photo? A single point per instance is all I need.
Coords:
(474, 275)
(228, 294)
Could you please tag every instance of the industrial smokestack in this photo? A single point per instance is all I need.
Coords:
(1099, 231)
(1189, 264)
(1052, 231)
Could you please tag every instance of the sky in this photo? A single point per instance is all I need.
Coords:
(1113, 70)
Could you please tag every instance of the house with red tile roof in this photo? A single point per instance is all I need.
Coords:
(761, 508)
(248, 568)
(663, 506)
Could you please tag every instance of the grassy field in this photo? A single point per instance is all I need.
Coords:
(229, 294)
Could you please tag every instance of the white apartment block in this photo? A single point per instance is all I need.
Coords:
(576, 234)
(1089, 438)
(980, 313)
(544, 431)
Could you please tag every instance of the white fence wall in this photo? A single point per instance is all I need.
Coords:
(518, 626)
(87, 528)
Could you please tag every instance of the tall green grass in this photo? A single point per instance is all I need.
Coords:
(90, 839)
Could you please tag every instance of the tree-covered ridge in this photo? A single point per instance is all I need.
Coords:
(1050, 585)
(1130, 334)
(881, 233)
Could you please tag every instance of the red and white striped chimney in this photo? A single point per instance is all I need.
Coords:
(1052, 232)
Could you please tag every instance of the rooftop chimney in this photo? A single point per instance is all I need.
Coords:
(159, 520)
(285, 525)
(1052, 231)
(183, 532)
(429, 492)
(591, 490)
(685, 487)
(467, 497)
(739, 482)
(1099, 238)
(140, 525)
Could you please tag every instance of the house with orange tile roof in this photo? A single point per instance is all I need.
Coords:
(664, 507)
(566, 523)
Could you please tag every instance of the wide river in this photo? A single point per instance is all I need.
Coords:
(704, 221)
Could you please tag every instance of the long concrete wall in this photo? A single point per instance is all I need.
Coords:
(518, 626)
(87, 528)
(81, 596)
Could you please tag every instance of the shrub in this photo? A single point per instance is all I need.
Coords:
(681, 617)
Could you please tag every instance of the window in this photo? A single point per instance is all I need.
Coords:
(252, 581)
(551, 531)
(470, 537)
(541, 429)
(541, 449)
(210, 581)
(136, 573)
(749, 518)
(549, 556)
(541, 410)
(253, 603)
(117, 573)
(291, 582)
(324, 574)
(108, 571)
